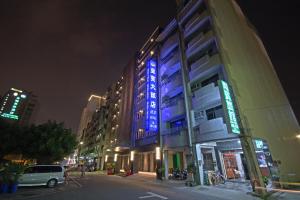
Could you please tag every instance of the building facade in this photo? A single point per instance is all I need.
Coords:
(19, 107)
(203, 92)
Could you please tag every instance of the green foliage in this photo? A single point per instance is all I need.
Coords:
(48, 142)
(11, 172)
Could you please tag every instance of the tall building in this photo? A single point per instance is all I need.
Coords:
(94, 103)
(213, 64)
(18, 106)
(203, 92)
(145, 133)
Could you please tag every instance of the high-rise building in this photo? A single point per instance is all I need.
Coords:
(203, 92)
(214, 65)
(94, 103)
(19, 107)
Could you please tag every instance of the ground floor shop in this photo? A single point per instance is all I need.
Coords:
(227, 158)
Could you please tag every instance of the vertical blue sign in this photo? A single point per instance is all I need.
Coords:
(152, 97)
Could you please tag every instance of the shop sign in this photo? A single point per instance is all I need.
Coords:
(230, 107)
(152, 97)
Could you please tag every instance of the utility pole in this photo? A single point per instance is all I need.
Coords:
(256, 178)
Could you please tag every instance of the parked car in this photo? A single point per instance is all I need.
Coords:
(49, 175)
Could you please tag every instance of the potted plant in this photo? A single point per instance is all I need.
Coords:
(14, 172)
(4, 176)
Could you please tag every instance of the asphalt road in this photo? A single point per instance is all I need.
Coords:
(102, 187)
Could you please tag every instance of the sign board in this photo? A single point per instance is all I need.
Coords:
(152, 97)
(230, 109)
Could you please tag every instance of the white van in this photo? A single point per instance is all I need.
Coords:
(49, 175)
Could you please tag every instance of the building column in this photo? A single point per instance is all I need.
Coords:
(200, 163)
(166, 163)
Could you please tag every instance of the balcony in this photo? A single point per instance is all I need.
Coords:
(169, 61)
(196, 43)
(211, 130)
(188, 10)
(171, 69)
(176, 139)
(195, 23)
(169, 45)
(203, 64)
(172, 85)
(173, 111)
(205, 96)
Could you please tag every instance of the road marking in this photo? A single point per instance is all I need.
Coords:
(151, 195)
(76, 182)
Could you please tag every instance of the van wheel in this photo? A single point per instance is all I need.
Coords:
(51, 183)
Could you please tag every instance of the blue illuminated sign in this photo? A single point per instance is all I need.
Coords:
(152, 97)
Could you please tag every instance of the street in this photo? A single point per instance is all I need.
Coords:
(100, 186)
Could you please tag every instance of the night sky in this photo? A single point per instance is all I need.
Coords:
(65, 50)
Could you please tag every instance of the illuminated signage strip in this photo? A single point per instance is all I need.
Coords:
(10, 116)
(152, 97)
(234, 126)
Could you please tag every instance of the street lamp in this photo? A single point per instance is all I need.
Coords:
(79, 150)
(131, 161)
(298, 136)
(158, 163)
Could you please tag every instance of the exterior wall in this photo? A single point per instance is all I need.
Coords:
(263, 105)
(126, 107)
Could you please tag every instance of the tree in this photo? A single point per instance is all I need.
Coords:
(9, 134)
(48, 142)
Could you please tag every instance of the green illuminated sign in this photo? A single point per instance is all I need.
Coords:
(230, 108)
(10, 116)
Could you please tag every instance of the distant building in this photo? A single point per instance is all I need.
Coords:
(18, 106)
(94, 103)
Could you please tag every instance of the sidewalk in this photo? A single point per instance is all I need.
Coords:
(229, 190)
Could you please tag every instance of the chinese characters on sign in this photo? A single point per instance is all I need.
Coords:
(230, 109)
(152, 97)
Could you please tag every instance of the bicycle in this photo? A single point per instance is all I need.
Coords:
(217, 178)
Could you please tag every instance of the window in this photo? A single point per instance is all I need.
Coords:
(140, 114)
(140, 134)
(215, 112)
(177, 123)
(212, 79)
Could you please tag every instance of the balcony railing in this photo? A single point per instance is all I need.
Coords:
(170, 112)
(169, 45)
(171, 69)
(171, 85)
(198, 41)
(202, 65)
(174, 130)
(189, 9)
(195, 23)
